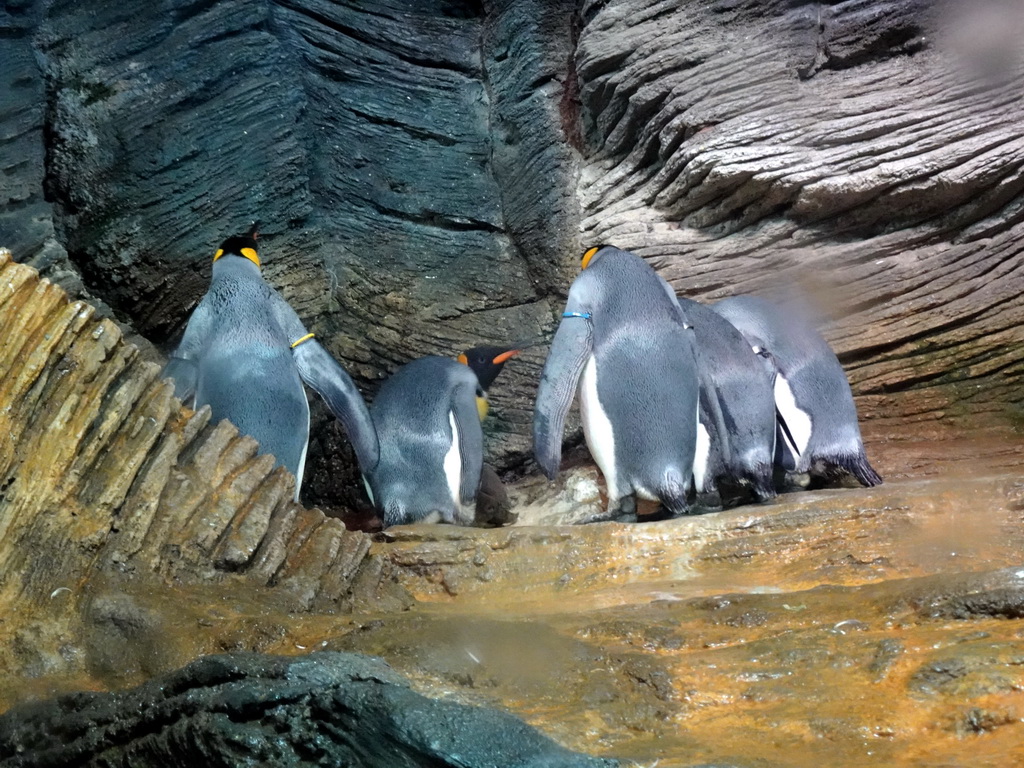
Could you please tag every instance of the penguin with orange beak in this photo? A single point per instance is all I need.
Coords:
(625, 347)
(427, 416)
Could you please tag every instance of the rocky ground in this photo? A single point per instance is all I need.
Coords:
(861, 626)
(426, 178)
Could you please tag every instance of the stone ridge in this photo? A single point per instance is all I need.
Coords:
(252, 709)
(102, 469)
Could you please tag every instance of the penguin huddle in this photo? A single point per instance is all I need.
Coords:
(675, 397)
(247, 355)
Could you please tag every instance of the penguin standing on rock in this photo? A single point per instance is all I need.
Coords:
(623, 339)
(738, 444)
(246, 354)
(427, 416)
(816, 413)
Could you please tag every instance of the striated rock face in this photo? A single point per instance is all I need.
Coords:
(865, 153)
(104, 478)
(248, 709)
(135, 538)
(427, 173)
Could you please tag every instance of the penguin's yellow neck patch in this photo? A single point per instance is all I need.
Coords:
(482, 406)
(463, 359)
(248, 253)
(588, 255)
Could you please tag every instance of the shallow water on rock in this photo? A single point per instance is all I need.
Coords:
(844, 627)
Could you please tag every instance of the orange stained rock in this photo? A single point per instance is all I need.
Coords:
(877, 627)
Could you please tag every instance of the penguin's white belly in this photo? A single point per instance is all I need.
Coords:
(597, 428)
(305, 447)
(453, 464)
(798, 422)
(369, 490)
(701, 456)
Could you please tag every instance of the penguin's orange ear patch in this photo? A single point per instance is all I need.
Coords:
(251, 255)
(463, 359)
(218, 254)
(588, 255)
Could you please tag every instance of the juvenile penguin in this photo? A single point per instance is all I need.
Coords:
(816, 413)
(427, 415)
(624, 341)
(246, 354)
(739, 445)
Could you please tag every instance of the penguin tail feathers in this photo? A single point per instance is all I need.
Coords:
(857, 465)
(762, 481)
(393, 514)
(673, 491)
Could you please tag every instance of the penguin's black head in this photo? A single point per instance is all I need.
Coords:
(487, 362)
(241, 245)
(593, 252)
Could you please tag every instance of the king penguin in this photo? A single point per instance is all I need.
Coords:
(816, 413)
(246, 354)
(736, 444)
(624, 341)
(427, 416)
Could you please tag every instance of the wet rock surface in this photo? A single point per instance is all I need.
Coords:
(852, 627)
(858, 626)
(425, 179)
(325, 709)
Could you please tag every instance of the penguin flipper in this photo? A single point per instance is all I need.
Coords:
(471, 441)
(182, 367)
(185, 374)
(323, 373)
(570, 350)
(709, 396)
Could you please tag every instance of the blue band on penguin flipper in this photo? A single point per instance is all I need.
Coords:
(584, 315)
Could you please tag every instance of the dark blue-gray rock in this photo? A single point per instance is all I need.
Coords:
(325, 709)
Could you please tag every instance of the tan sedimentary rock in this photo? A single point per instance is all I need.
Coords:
(102, 470)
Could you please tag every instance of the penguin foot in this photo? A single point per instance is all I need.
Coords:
(709, 501)
(617, 516)
(621, 510)
(760, 482)
(493, 507)
(789, 482)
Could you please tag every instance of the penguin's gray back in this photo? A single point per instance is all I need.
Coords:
(413, 418)
(246, 372)
(743, 383)
(645, 376)
(810, 380)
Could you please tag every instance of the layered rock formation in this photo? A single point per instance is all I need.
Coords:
(866, 153)
(105, 480)
(426, 174)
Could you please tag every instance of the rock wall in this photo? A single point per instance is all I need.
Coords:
(426, 174)
(865, 153)
(105, 482)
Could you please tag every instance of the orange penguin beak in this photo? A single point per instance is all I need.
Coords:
(499, 359)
